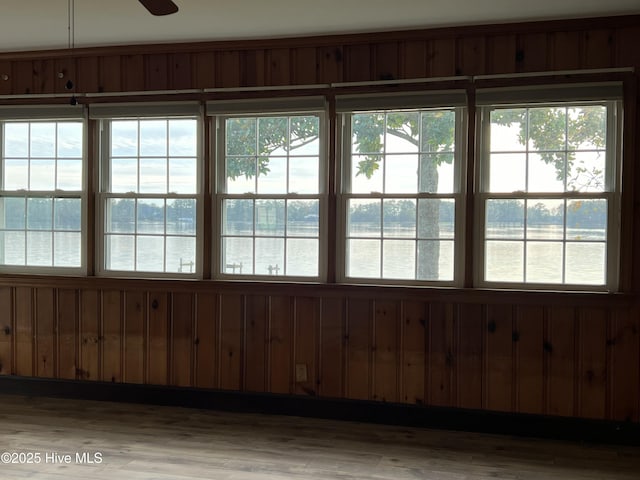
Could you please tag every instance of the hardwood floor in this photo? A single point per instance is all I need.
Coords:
(126, 441)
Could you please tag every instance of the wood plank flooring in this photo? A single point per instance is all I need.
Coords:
(150, 442)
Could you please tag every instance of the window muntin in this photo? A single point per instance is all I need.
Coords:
(548, 194)
(401, 191)
(41, 196)
(150, 192)
(271, 195)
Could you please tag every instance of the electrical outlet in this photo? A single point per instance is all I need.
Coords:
(301, 372)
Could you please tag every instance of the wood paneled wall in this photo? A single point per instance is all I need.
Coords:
(580, 361)
(494, 351)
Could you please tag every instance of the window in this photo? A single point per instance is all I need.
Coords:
(401, 191)
(271, 193)
(42, 191)
(150, 187)
(549, 193)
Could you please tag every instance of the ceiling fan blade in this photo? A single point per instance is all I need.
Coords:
(160, 7)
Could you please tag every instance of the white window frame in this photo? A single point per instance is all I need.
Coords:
(105, 114)
(57, 114)
(220, 111)
(609, 95)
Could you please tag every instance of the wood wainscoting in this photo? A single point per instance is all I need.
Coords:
(519, 352)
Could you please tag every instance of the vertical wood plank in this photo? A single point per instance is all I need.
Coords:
(625, 365)
(278, 66)
(442, 355)
(413, 59)
(532, 54)
(6, 328)
(470, 57)
(24, 332)
(560, 352)
(67, 320)
(442, 57)
(358, 349)
(304, 66)
(204, 70)
(6, 77)
(598, 49)
(252, 66)
(90, 334)
(87, 75)
(307, 322)
(111, 336)
(387, 59)
(181, 339)
(206, 340)
(565, 50)
(231, 339)
(43, 76)
(592, 362)
(501, 54)
(228, 69)
(414, 354)
(499, 358)
(66, 67)
(110, 78)
(358, 63)
(134, 337)
(132, 73)
(156, 72)
(626, 53)
(330, 64)
(280, 346)
(530, 360)
(180, 71)
(332, 348)
(22, 80)
(469, 374)
(157, 339)
(256, 335)
(385, 351)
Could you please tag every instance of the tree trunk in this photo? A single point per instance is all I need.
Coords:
(428, 227)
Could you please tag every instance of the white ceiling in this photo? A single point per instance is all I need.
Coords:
(43, 24)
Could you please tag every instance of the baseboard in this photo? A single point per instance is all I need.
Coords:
(561, 428)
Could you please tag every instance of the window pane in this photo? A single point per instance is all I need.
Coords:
(435, 173)
(269, 256)
(181, 254)
(364, 218)
(39, 213)
(545, 219)
(69, 175)
(304, 175)
(13, 212)
(13, 248)
(366, 173)
(16, 140)
(183, 137)
(39, 249)
(305, 135)
(579, 271)
(400, 174)
(119, 252)
(181, 216)
(16, 174)
(546, 129)
(402, 133)
(124, 138)
(436, 218)
(67, 214)
(43, 140)
(438, 131)
(363, 258)
(153, 138)
(153, 175)
(508, 130)
(124, 175)
(435, 260)
(273, 135)
(507, 172)
(544, 262)
(399, 218)
(237, 255)
(302, 257)
(399, 259)
(504, 261)
(587, 127)
(367, 132)
(150, 216)
(270, 218)
(241, 175)
(303, 218)
(42, 175)
(238, 217)
(183, 176)
(241, 136)
(587, 220)
(272, 175)
(150, 253)
(67, 248)
(504, 219)
(70, 139)
(121, 215)
(586, 172)
(546, 172)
